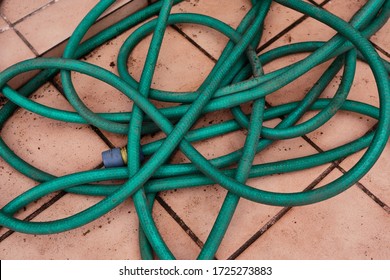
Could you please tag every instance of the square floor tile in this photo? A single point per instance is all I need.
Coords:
(113, 236)
(3, 25)
(345, 10)
(55, 147)
(334, 133)
(178, 58)
(377, 179)
(15, 10)
(348, 226)
(38, 139)
(13, 50)
(381, 38)
(13, 184)
(51, 26)
(192, 204)
(176, 238)
(212, 41)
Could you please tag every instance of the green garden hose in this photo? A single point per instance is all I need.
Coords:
(237, 78)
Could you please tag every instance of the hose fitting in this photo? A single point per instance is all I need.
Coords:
(117, 157)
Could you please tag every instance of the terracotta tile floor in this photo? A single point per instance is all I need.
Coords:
(353, 225)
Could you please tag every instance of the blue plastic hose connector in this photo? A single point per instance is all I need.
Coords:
(117, 157)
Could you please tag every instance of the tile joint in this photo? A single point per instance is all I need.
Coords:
(279, 215)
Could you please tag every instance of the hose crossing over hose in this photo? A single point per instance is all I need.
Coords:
(237, 78)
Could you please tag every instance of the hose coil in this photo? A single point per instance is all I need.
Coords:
(236, 79)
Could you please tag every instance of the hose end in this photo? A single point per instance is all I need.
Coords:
(117, 157)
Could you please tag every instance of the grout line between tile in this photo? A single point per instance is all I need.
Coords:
(282, 33)
(380, 49)
(97, 131)
(42, 208)
(11, 26)
(65, 40)
(307, 139)
(199, 47)
(63, 193)
(287, 29)
(364, 189)
(165, 206)
(45, 206)
(3, 29)
(180, 222)
(279, 215)
(324, 3)
(376, 199)
(314, 3)
(102, 136)
(314, 145)
(358, 184)
(26, 42)
(34, 12)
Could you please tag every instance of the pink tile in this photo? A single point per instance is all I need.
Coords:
(39, 140)
(13, 184)
(15, 10)
(298, 88)
(211, 148)
(334, 132)
(177, 240)
(313, 30)
(115, 13)
(112, 236)
(67, 147)
(119, 4)
(383, 55)
(377, 179)
(344, 9)
(348, 226)
(381, 38)
(178, 58)
(279, 18)
(212, 41)
(13, 50)
(193, 204)
(3, 25)
(50, 26)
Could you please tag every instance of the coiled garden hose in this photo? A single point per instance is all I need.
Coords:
(236, 78)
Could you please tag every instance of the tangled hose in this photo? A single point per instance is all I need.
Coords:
(236, 79)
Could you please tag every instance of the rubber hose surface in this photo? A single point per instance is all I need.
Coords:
(237, 79)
